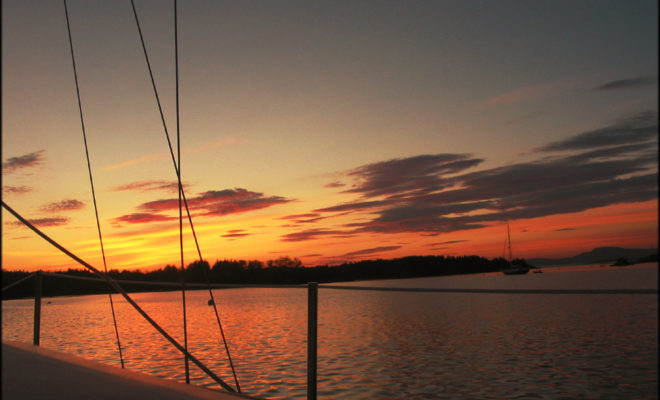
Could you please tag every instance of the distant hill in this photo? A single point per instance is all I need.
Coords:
(599, 255)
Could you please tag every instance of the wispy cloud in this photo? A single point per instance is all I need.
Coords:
(16, 189)
(639, 128)
(631, 83)
(335, 184)
(526, 93)
(213, 203)
(374, 250)
(434, 194)
(306, 218)
(46, 222)
(221, 142)
(147, 186)
(235, 234)
(136, 161)
(142, 218)
(446, 243)
(420, 174)
(310, 234)
(64, 205)
(219, 202)
(27, 160)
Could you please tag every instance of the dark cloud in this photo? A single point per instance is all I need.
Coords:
(639, 128)
(564, 229)
(446, 243)
(64, 205)
(306, 218)
(300, 216)
(373, 250)
(311, 234)
(235, 235)
(218, 202)
(146, 186)
(361, 205)
(624, 151)
(627, 83)
(433, 194)
(142, 218)
(16, 189)
(335, 184)
(54, 221)
(399, 176)
(27, 160)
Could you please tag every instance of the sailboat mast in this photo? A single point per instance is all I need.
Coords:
(508, 239)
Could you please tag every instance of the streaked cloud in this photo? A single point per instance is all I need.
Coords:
(446, 243)
(25, 161)
(354, 206)
(310, 234)
(142, 218)
(631, 83)
(44, 222)
(639, 128)
(213, 203)
(235, 234)
(306, 218)
(64, 205)
(220, 142)
(147, 186)
(433, 194)
(335, 184)
(16, 189)
(424, 173)
(526, 93)
(218, 202)
(374, 250)
(136, 161)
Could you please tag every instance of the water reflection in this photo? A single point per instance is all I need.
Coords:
(384, 345)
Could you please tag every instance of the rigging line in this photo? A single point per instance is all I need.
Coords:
(181, 190)
(167, 135)
(178, 150)
(222, 333)
(119, 289)
(91, 179)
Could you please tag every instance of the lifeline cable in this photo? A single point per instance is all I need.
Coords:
(91, 180)
(182, 192)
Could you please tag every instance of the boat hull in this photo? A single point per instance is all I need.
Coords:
(516, 271)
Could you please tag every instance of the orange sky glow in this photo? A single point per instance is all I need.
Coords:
(331, 133)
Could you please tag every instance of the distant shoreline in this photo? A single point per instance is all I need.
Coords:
(84, 288)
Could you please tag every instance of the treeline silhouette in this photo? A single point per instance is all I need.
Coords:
(284, 270)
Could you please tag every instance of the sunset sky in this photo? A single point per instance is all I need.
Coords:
(331, 131)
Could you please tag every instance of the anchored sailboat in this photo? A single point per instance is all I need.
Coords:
(516, 267)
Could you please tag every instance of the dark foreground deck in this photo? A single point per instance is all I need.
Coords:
(32, 372)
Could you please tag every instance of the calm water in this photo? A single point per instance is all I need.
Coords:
(387, 345)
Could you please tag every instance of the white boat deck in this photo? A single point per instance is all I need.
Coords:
(32, 372)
